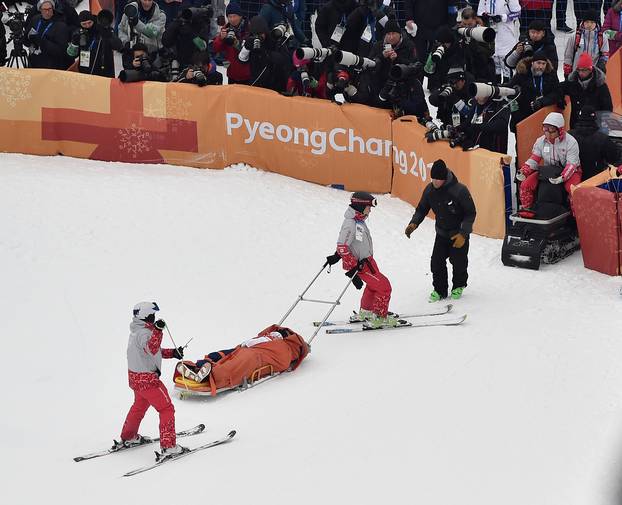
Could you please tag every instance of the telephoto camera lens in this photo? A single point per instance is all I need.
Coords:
(438, 54)
(278, 31)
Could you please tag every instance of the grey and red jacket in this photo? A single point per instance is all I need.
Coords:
(354, 242)
(144, 355)
(563, 152)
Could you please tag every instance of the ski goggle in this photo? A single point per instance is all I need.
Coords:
(370, 203)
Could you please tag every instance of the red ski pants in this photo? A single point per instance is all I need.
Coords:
(159, 399)
(377, 292)
(529, 187)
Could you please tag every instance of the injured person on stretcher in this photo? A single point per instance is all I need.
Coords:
(275, 349)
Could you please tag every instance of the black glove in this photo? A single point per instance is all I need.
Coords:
(178, 353)
(536, 104)
(358, 283)
(359, 266)
(332, 259)
(75, 38)
(34, 37)
(160, 324)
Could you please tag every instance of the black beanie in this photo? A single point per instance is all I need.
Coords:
(537, 25)
(361, 199)
(439, 170)
(392, 26)
(86, 16)
(258, 24)
(591, 15)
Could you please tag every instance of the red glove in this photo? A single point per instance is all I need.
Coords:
(348, 259)
(567, 69)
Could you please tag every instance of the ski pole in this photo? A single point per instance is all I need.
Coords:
(300, 296)
(335, 303)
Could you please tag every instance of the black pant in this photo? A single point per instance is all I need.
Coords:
(458, 257)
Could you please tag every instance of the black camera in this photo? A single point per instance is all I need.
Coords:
(528, 49)
(438, 54)
(131, 11)
(197, 13)
(446, 91)
(231, 37)
(278, 31)
(400, 72)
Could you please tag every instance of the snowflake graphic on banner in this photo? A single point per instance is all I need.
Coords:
(74, 81)
(177, 106)
(14, 86)
(134, 140)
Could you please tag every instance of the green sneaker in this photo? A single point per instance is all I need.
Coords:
(435, 296)
(382, 322)
(456, 293)
(362, 315)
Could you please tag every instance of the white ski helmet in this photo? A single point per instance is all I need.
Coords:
(554, 119)
(143, 310)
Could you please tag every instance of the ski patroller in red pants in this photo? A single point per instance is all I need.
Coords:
(377, 292)
(158, 398)
(529, 187)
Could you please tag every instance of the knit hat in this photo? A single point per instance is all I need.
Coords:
(538, 25)
(554, 119)
(392, 26)
(86, 16)
(439, 171)
(41, 2)
(585, 61)
(444, 34)
(234, 8)
(456, 74)
(591, 15)
(539, 56)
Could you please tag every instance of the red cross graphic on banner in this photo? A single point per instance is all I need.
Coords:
(125, 134)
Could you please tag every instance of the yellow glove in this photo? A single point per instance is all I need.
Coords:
(459, 240)
(409, 229)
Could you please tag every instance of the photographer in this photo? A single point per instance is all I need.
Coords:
(330, 24)
(47, 37)
(229, 41)
(189, 34)
(280, 15)
(202, 72)
(94, 43)
(142, 21)
(423, 18)
(538, 39)
(478, 52)
(365, 26)
(447, 54)
(269, 59)
(140, 67)
(539, 87)
(451, 99)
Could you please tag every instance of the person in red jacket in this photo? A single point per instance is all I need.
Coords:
(144, 360)
(229, 41)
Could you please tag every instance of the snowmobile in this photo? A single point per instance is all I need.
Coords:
(549, 234)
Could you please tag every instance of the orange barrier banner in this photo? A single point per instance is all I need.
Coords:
(480, 170)
(53, 112)
(614, 80)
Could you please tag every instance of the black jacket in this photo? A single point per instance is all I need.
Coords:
(492, 132)
(100, 43)
(596, 150)
(428, 15)
(333, 13)
(452, 205)
(49, 44)
(541, 91)
(271, 65)
(445, 104)
(595, 94)
(405, 55)
(357, 22)
(546, 45)
(180, 34)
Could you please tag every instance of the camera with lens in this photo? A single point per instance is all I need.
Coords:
(131, 12)
(401, 72)
(312, 53)
(16, 22)
(484, 90)
(278, 31)
(190, 14)
(230, 37)
(438, 53)
(456, 138)
(352, 60)
(446, 91)
(528, 49)
(145, 64)
(435, 132)
(478, 33)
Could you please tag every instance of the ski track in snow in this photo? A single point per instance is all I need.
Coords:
(520, 405)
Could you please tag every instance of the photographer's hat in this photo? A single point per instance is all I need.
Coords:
(439, 171)
(456, 74)
(591, 15)
(585, 61)
(41, 2)
(234, 8)
(444, 34)
(86, 16)
(258, 24)
(537, 25)
(392, 26)
(539, 56)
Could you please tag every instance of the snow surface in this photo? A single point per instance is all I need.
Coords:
(520, 405)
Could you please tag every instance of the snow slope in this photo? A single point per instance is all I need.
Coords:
(521, 405)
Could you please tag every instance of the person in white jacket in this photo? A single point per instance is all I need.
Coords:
(146, 26)
(502, 16)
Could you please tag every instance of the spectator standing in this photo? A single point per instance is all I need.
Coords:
(612, 27)
(229, 41)
(47, 38)
(146, 26)
(330, 24)
(503, 17)
(589, 39)
(538, 38)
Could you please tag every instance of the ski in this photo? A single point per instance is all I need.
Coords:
(430, 312)
(452, 321)
(185, 433)
(160, 460)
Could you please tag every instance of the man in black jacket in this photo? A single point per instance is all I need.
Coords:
(188, 35)
(47, 37)
(596, 150)
(424, 17)
(455, 212)
(330, 24)
(365, 26)
(539, 87)
(94, 44)
(539, 39)
(451, 98)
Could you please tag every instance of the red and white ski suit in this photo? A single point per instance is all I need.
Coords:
(563, 151)
(144, 362)
(355, 244)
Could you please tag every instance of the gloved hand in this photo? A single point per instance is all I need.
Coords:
(610, 34)
(332, 259)
(150, 31)
(536, 104)
(200, 44)
(34, 37)
(514, 106)
(160, 324)
(556, 180)
(459, 240)
(353, 271)
(178, 353)
(357, 281)
(409, 229)
(75, 38)
(497, 18)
